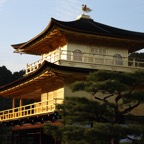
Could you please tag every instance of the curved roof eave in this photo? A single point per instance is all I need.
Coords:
(87, 26)
(45, 66)
(91, 27)
(21, 45)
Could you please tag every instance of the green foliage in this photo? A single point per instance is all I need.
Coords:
(121, 88)
(103, 120)
(53, 130)
(81, 110)
(6, 76)
(79, 116)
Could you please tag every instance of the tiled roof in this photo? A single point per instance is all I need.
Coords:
(91, 27)
(86, 26)
(46, 66)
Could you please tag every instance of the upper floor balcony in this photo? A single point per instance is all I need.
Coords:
(88, 60)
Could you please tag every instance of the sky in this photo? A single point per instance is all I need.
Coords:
(21, 20)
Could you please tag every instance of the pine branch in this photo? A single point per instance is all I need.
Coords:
(132, 89)
(118, 98)
(130, 108)
(121, 96)
(100, 99)
(106, 97)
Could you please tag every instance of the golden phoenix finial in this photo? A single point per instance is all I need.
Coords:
(85, 8)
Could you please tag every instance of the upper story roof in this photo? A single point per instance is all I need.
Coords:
(55, 35)
(89, 26)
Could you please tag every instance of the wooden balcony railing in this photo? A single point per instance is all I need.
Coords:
(30, 110)
(87, 58)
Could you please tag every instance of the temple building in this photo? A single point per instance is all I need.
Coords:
(69, 52)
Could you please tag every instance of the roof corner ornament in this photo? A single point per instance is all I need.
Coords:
(85, 8)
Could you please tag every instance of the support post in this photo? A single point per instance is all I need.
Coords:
(20, 104)
(13, 103)
(20, 107)
(13, 107)
(59, 53)
(133, 62)
(27, 68)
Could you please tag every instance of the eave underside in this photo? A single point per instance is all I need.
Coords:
(31, 87)
(43, 44)
(89, 39)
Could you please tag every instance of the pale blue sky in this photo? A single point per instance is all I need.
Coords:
(21, 20)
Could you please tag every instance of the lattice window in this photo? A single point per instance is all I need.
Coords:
(97, 50)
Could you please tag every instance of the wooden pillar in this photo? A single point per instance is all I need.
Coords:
(13, 103)
(13, 107)
(20, 102)
(20, 107)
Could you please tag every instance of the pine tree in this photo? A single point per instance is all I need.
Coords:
(108, 118)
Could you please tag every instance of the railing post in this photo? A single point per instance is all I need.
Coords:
(93, 58)
(26, 68)
(133, 62)
(59, 53)
(104, 61)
